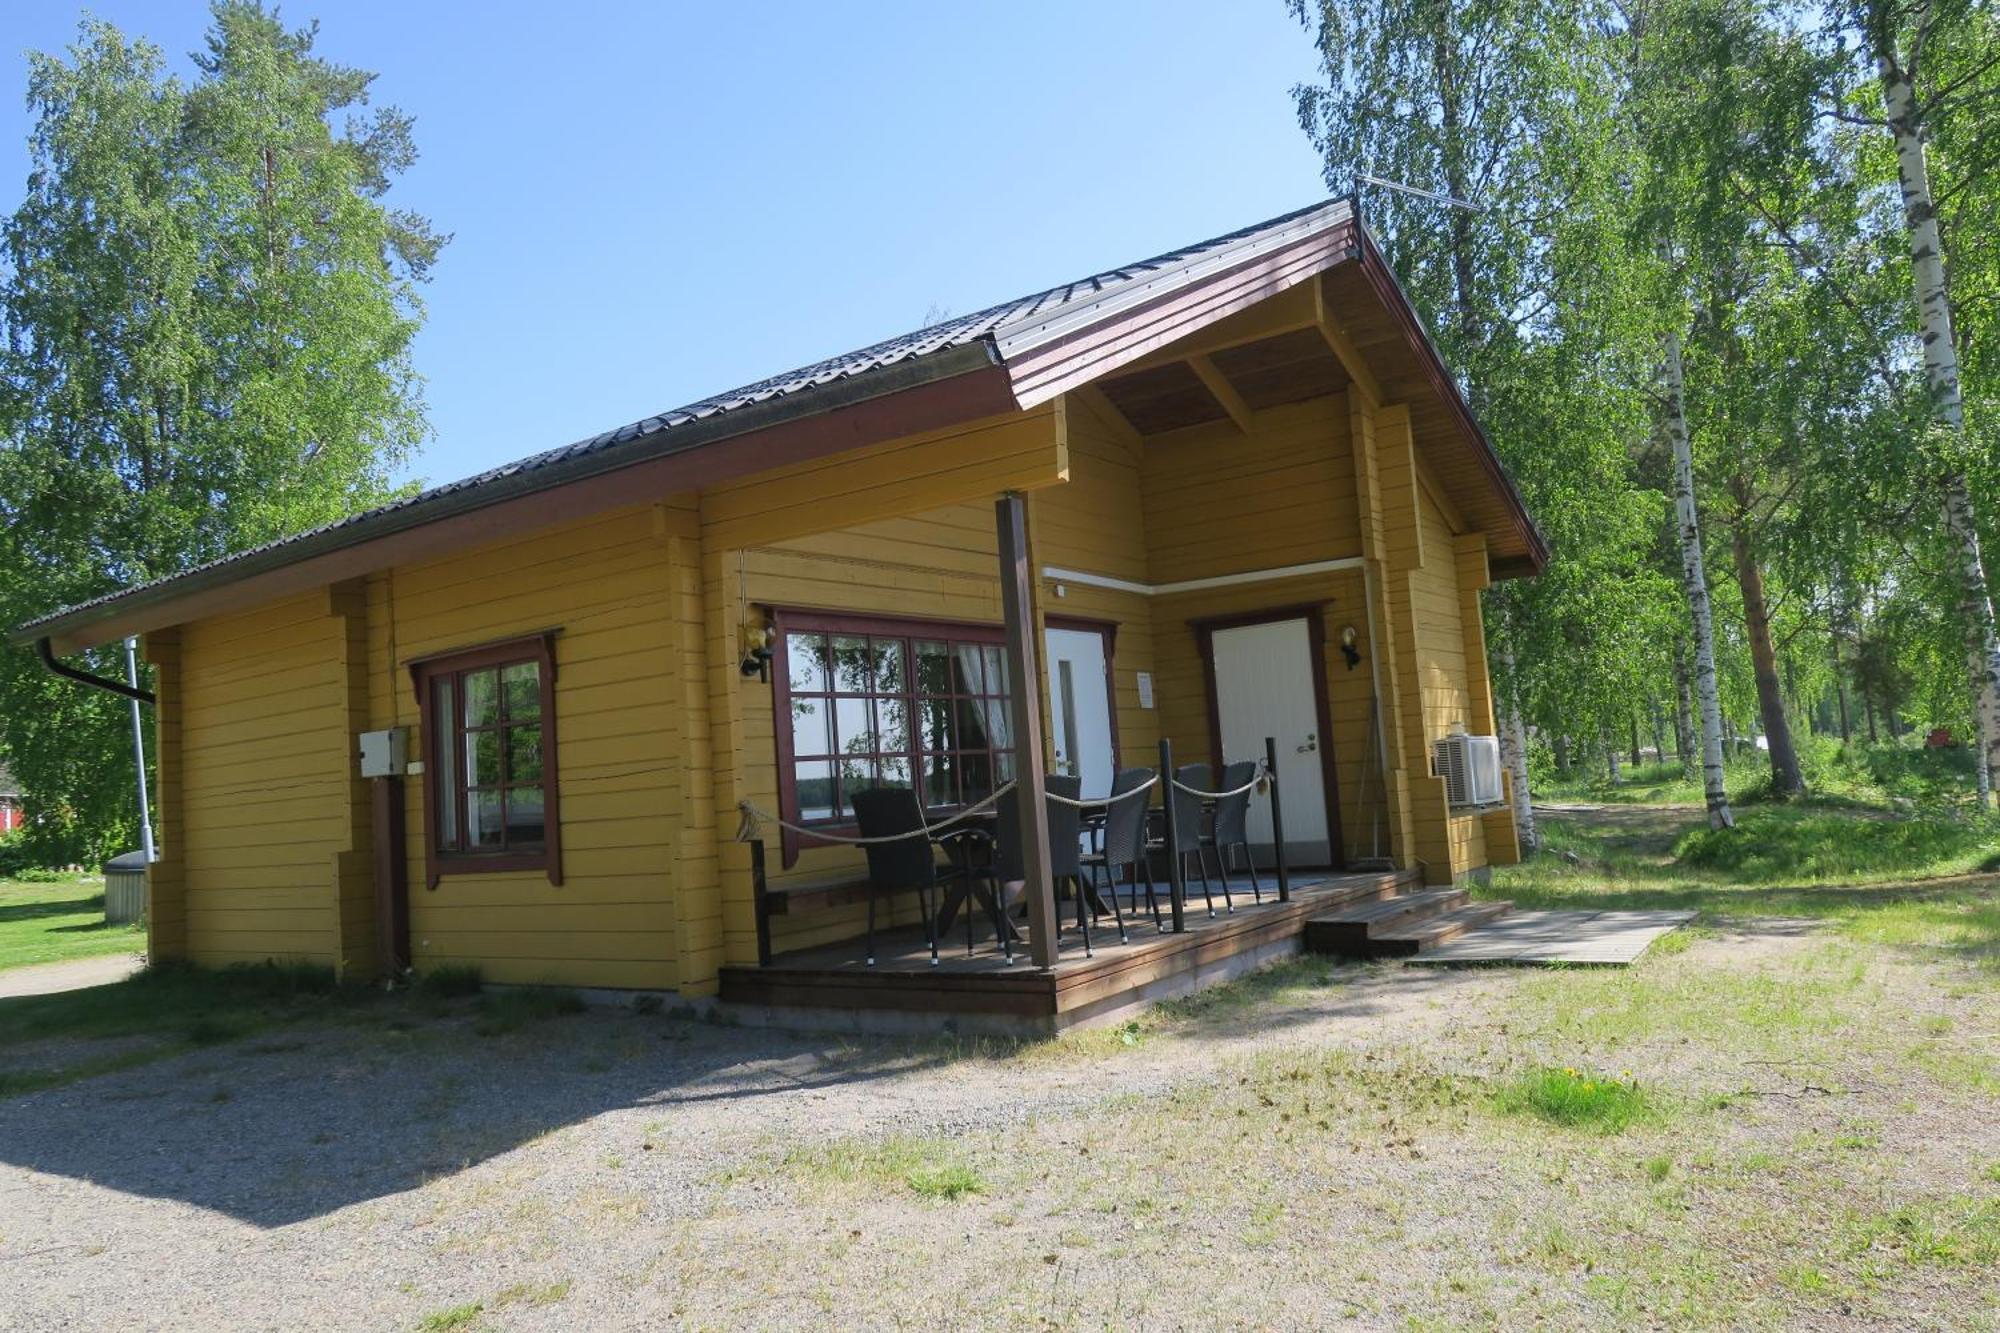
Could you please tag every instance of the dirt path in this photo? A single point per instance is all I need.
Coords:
(76, 974)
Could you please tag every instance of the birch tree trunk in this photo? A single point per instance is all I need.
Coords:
(1514, 754)
(1694, 579)
(1947, 406)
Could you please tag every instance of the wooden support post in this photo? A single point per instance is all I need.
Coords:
(1278, 822)
(1176, 890)
(1024, 680)
(760, 901)
(392, 881)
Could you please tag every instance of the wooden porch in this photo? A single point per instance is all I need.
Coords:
(831, 987)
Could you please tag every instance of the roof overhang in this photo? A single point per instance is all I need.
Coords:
(1008, 363)
(1410, 371)
(925, 393)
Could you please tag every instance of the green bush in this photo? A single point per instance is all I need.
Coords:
(1927, 777)
(17, 858)
(1806, 844)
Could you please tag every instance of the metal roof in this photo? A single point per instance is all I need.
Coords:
(1006, 330)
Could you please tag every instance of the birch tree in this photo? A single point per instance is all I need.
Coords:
(1898, 38)
(1501, 105)
(206, 312)
(1694, 581)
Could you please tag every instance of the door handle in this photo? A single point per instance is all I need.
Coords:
(1312, 743)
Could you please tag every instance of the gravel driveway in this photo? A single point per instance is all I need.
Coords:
(359, 1178)
(615, 1170)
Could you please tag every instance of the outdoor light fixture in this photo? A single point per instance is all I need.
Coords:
(757, 652)
(1347, 648)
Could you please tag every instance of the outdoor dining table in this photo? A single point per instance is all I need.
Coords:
(958, 843)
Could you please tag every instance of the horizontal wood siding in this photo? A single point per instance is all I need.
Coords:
(263, 793)
(1097, 524)
(941, 564)
(1221, 502)
(605, 587)
(902, 528)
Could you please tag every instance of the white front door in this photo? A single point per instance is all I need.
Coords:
(1264, 687)
(1080, 708)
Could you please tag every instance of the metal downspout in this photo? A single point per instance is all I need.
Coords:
(67, 672)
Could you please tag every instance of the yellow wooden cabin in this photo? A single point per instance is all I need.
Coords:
(1223, 494)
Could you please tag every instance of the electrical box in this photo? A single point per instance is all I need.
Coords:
(385, 754)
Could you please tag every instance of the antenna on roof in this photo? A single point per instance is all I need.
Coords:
(1433, 195)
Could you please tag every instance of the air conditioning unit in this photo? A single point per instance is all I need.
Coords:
(1470, 767)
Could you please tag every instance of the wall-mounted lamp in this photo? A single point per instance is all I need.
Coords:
(1347, 648)
(757, 640)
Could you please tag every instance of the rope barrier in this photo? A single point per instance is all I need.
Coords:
(751, 816)
(1095, 802)
(1264, 775)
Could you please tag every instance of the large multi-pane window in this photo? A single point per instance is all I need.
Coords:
(489, 740)
(867, 703)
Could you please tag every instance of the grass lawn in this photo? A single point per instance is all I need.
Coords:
(1779, 1118)
(59, 920)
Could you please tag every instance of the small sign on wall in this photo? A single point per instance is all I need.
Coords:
(1145, 689)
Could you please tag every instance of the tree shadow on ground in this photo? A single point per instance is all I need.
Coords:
(292, 1123)
(36, 911)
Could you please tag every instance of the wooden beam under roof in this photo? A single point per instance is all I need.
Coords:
(1094, 401)
(1291, 310)
(1225, 393)
(1344, 348)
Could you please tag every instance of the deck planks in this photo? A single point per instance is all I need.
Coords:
(903, 980)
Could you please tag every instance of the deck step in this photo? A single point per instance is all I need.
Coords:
(1353, 928)
(1433, 931)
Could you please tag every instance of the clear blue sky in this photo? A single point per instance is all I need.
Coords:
(652, 202)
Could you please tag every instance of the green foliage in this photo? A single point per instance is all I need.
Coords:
(451, 981)
(1578, 1099)
(454, 1317)
(21, 858)
(208, 310)
(505, 1011)
(1673, 168)
(1806, 846)
(944, 1181)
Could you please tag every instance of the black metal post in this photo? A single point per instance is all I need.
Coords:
(1176, 890)
(1278, 820)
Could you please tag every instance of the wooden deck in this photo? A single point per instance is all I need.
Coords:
(832, 987)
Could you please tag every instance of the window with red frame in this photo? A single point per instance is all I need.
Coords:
(489, 739)
(881, 703)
